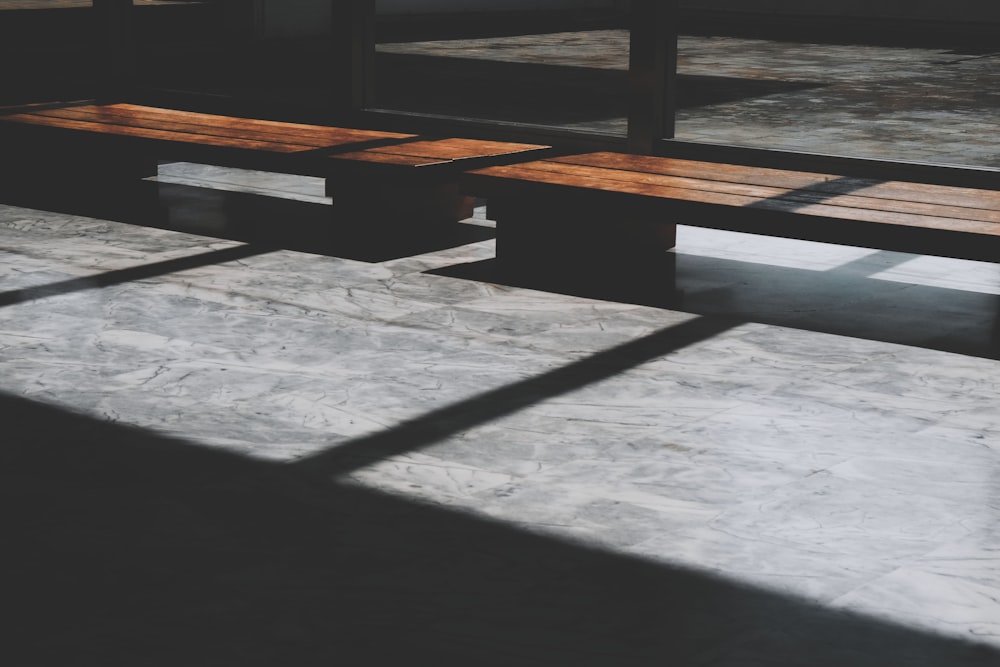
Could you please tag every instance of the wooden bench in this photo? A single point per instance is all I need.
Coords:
(599, 208)
(380, 175)
(415, 180)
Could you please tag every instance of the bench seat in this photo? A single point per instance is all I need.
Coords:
(605, 206)
(415, 179)
(172, 134)
(374, 173)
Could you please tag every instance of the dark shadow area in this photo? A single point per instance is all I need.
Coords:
(53, 48)
(125, 547)
(538, 93)
(260, 220)
(47, 54)
(845, 302)
(309, 227)
(280, 75)
(505, 91)
(478, 25)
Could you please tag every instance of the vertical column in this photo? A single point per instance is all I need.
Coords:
(652, 73)
(353, 37)
(115, 46)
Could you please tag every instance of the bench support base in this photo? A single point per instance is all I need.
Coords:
(548, 236)
(398, 206)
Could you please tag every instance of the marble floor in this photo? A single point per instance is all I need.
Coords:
(232, 437)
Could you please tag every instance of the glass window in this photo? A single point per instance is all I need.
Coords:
(549, 67)
(859, 86)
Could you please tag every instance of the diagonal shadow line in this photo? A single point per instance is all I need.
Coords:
(148, 532)
(872, 263)
(131, 274)
(868, 265)
(368, 144)
(819, 192)
(436, 425)
(816, 193)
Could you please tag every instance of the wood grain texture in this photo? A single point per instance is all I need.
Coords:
(153, 134)
(190, 123)
(733, 186)
(373, 175)
(871, 196)
(195, 128)
(820, 182)
(457, 149)
(374, 158)
(188, 127)
(437, 152)
(390, 153)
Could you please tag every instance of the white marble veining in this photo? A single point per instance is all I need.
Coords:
(509, 457)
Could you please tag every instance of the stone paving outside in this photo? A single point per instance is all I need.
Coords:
(928, 104)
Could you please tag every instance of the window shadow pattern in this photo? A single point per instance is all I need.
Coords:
(841, 301)
(437, 425)
(844, 300)
(131, 548)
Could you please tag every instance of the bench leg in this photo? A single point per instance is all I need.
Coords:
(580, 238)
(398, 206)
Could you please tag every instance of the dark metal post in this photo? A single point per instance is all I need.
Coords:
(652, 73)
(353, 35)
(115, 47)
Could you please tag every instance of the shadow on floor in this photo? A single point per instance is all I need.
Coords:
(272, 222)
(845, 301)
(131, 548)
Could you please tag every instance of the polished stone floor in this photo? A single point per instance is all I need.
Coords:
(232, 437)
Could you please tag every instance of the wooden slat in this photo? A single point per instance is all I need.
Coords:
(804, 195)
(914, 192)
(393, 159)
(456, 149)
(511, 179)
(308, 136)
(436, 152)
(151, 134)
(213, 120)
